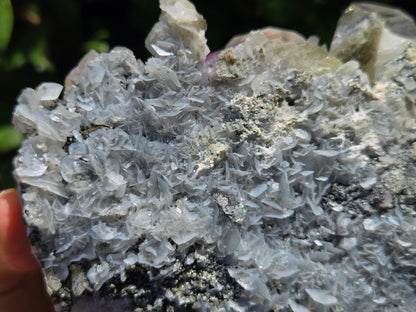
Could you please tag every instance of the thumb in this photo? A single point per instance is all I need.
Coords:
(15, 251)
(22, 287)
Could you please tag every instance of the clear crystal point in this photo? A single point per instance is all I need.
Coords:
(373, 35)
(394, 19)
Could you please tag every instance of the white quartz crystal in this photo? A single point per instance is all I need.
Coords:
(49, 91)
(321, 296)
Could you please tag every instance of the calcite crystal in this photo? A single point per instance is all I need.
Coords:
(270, 176)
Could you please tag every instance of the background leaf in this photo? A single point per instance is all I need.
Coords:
(9, 138)
(6, 23)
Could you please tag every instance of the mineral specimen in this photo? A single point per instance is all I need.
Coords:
(271, 175)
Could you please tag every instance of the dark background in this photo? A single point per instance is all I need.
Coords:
(50, 36)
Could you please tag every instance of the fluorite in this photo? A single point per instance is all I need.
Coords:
(271, 175)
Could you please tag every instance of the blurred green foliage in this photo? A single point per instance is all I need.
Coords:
(10, 138)
(41, 40)
(6, 23)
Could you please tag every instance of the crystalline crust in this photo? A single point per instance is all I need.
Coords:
(271, 175)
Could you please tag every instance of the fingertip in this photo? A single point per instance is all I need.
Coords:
(15, 249)
(5, 198)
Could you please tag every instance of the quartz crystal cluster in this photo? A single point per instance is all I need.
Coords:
(273, 175)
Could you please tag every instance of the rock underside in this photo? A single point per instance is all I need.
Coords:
(270, 176)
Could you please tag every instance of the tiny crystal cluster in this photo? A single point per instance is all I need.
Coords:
(272, 175)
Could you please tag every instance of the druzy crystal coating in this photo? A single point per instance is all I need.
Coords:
(271, 175)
